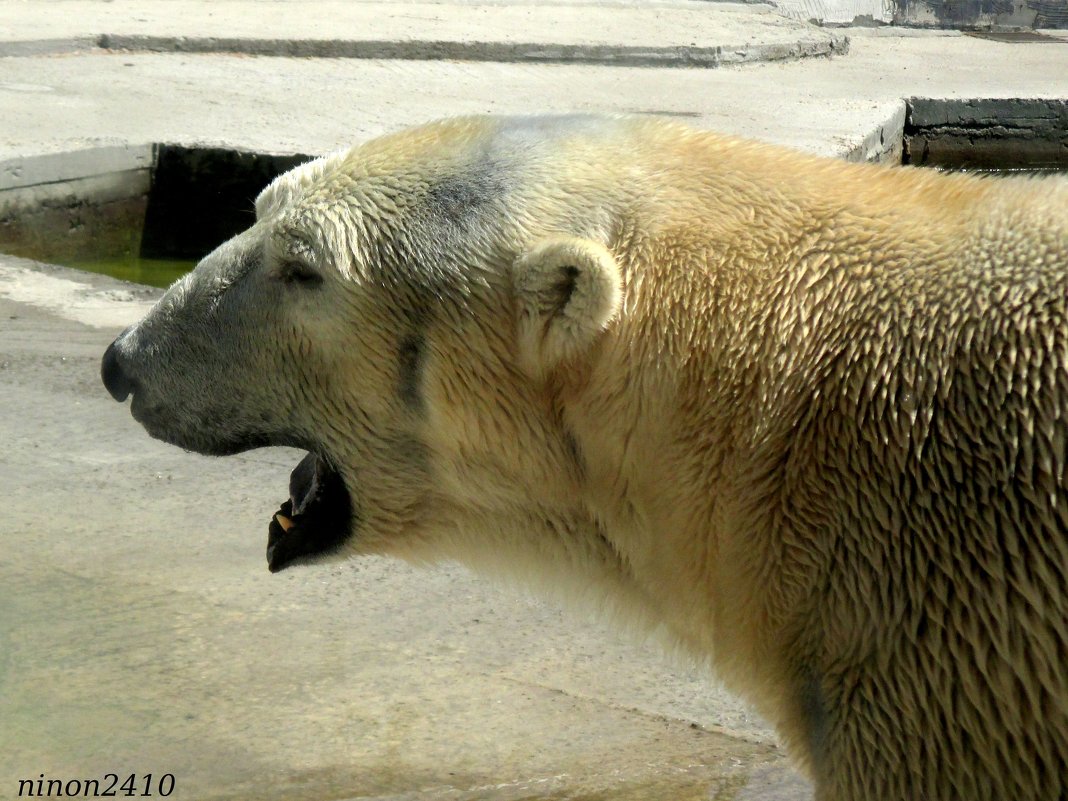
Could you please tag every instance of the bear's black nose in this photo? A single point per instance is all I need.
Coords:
(118, 382)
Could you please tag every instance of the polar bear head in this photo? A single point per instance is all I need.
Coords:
(412, 313)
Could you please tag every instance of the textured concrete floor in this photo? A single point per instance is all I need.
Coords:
(141, 632)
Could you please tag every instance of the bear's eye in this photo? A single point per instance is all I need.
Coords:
(298, 273)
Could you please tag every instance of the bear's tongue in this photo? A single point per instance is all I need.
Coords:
(315, 520)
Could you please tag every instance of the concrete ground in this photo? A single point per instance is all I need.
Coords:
(140, 631)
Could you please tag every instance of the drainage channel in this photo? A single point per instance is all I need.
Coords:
(145, 214)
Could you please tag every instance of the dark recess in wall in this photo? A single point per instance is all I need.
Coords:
(987, 133)
(203, 196)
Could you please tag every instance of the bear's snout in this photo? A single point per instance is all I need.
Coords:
(115, 375)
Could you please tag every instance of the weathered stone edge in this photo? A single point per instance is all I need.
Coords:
(425, 50)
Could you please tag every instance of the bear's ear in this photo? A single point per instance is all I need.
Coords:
(567, 291)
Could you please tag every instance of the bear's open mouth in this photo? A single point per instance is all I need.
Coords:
(315, 520)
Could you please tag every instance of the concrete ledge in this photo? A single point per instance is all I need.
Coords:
(98, 188)
(47, 47)
(884, 144)
(101, 215)
(672, 33)
(684, 56)
(1030, 113)
(30, 170)
(77, 204)
(987, 133)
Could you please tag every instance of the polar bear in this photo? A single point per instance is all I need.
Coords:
(809, 417)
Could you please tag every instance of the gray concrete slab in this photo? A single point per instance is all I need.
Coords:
(665, 33)
(139, 629)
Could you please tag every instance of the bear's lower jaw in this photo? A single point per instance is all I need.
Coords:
(315, 520)
(195, 433)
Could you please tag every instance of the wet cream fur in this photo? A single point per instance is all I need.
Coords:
(808, 417)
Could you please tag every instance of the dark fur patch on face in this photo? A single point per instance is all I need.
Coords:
(410, 358)
(460, 198)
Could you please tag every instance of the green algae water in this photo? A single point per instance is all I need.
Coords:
(154, 272)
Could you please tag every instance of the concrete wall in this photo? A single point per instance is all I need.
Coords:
(957, 14)
(83, 204)
(987, 133)
(982, 13)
